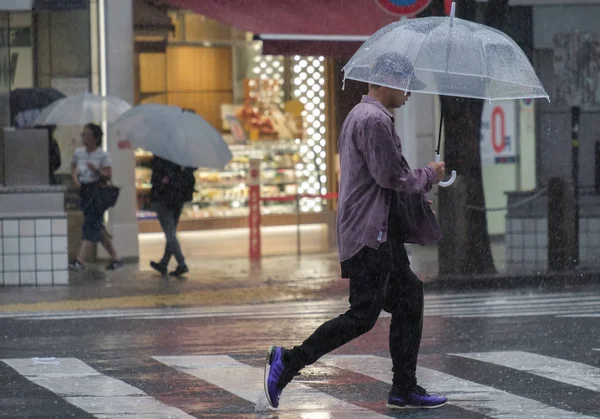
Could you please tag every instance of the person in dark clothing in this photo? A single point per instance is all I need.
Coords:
(172, 186)
(53, 152)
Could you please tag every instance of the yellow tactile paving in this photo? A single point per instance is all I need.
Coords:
(261, 294)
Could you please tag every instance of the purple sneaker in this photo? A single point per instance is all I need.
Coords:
(277, 375)
(416, 399)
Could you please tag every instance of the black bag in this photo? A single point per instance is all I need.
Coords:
(108, 194)
(99, 196)
(417, 218)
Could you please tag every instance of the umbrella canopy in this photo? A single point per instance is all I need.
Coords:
(82, 109)
(446, 56)
(27, 104)
(450, 56)
(174, 134)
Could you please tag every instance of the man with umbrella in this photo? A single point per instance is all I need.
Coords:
(371, 238)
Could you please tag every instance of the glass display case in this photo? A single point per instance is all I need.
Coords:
(280, 119)
(224, 194)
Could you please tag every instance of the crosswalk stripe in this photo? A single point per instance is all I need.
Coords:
(591, 315)
(465, 394)
(91, 391)
(247, 382)
(561, 370)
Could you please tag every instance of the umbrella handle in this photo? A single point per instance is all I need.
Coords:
(445, 184)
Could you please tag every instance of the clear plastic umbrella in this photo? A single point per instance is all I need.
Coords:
(82, 109)
(446, 56)
(174, 134)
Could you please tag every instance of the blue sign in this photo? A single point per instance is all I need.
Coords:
(403, 7)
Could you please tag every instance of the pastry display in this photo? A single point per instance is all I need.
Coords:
(264, 128)
(223, 194)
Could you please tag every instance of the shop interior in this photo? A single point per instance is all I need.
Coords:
(273, 108)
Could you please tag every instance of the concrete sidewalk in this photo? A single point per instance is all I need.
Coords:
(222, 281)
(217, 282)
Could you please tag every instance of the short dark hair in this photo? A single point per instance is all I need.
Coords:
(97, 133)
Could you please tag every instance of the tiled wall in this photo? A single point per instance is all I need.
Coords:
(526, 243)
(589, 241)
(34, 251)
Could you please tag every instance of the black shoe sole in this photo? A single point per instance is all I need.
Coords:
(396, 407)
(178, 274)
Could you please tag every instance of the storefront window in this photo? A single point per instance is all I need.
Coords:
(5, 73)
(16, 60)
(267, 107)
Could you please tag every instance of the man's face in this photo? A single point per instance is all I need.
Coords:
(399, 98)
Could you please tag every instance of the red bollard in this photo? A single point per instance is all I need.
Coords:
(254, 206)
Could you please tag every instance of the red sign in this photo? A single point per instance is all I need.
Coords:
(448, 6)
(124, 145)
(403, 7)
(498, 117)
(254, 207)
(254, 223)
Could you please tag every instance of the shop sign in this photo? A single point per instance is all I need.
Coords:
(254, 207)
(403, 7)
(499, 133)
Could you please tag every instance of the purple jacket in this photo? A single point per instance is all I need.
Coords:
(371, 170)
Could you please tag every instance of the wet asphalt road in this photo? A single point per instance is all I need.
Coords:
(511, 354)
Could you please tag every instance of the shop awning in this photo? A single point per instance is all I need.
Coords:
(302, 27)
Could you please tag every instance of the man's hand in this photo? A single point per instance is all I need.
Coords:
(430, 202)
(440, 169)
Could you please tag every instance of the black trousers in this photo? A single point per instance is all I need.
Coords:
(168, 217)
(379, 280)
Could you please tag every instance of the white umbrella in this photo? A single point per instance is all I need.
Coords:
(82, 109)
(446, 56)
(174, 134)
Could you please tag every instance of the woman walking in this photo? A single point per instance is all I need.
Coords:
(91, 166)
(172, 186)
